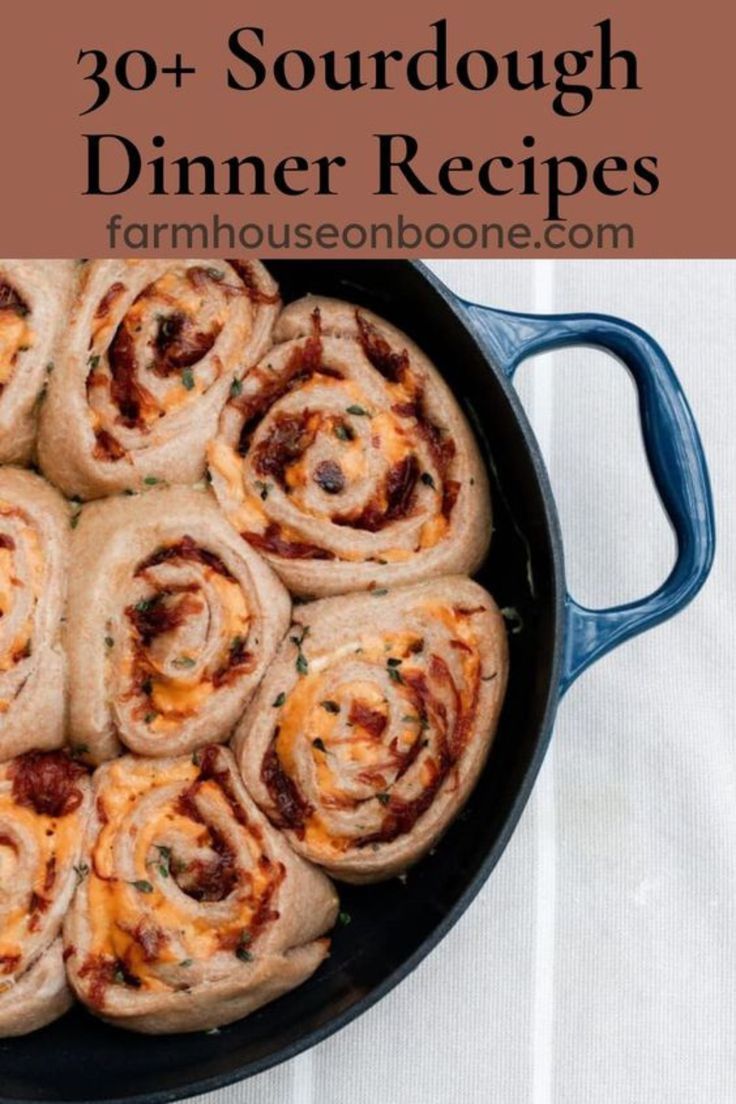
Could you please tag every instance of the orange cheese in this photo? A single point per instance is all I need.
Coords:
(117, 907)
(9, 587)
(55, 838)
(15, 337)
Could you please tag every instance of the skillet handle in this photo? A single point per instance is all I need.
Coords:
(673, 450)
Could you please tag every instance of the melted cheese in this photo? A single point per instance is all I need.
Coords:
(433, 531)
(234, 605)
(9, 586)
(177, 697)
(245, 511)
(116, 908)
(386, 429)
(6, 583)
(15, 337)
(54, 838)
(302, 717)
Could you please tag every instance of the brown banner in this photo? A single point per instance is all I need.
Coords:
(462, 129)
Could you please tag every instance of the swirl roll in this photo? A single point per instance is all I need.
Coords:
(195, 911)
(34, 533)
(345, 459)
(34, 296)
(149, 358)
(374, 722)
(44, 805)
(172, 620)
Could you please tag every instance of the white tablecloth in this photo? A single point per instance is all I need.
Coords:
(598, 965)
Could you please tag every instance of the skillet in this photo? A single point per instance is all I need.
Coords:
(394, 925)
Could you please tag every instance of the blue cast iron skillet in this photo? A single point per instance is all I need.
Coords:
(394, 925)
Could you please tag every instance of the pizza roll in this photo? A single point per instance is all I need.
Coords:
(34, 299)
(151, 352)
(172, 620)
(374, 722)
(195, 911)
(346, 460)
(34, 535)
(44, 805)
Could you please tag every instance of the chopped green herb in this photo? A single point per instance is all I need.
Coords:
(150, 718)
(263, 489)
(151, 480)
(279, 700)
(93, 362)
(343, 433)
(184, 661)
(427, 479)
(163, 864)
(301, 664)
(241, 951)
(236, 388)
(344, 918)
(394, 661)
(395, 674)
(145, 604)
(185, 962)
(81, 870)
(358, 411)
(410, 718)
(78, 750)
(109, 642)
(196, 758)
(74, 519)
(384, 798)
(299, 638)
(215, 274)
(379, 593)
(187, 378)
(142, 886)
(119, 977)
(330, 706)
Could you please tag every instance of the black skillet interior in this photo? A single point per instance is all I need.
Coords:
(393, 925)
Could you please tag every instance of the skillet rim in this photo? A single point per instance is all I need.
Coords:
(457, 306)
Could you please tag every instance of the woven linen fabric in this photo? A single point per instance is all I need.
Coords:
(598, 963)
